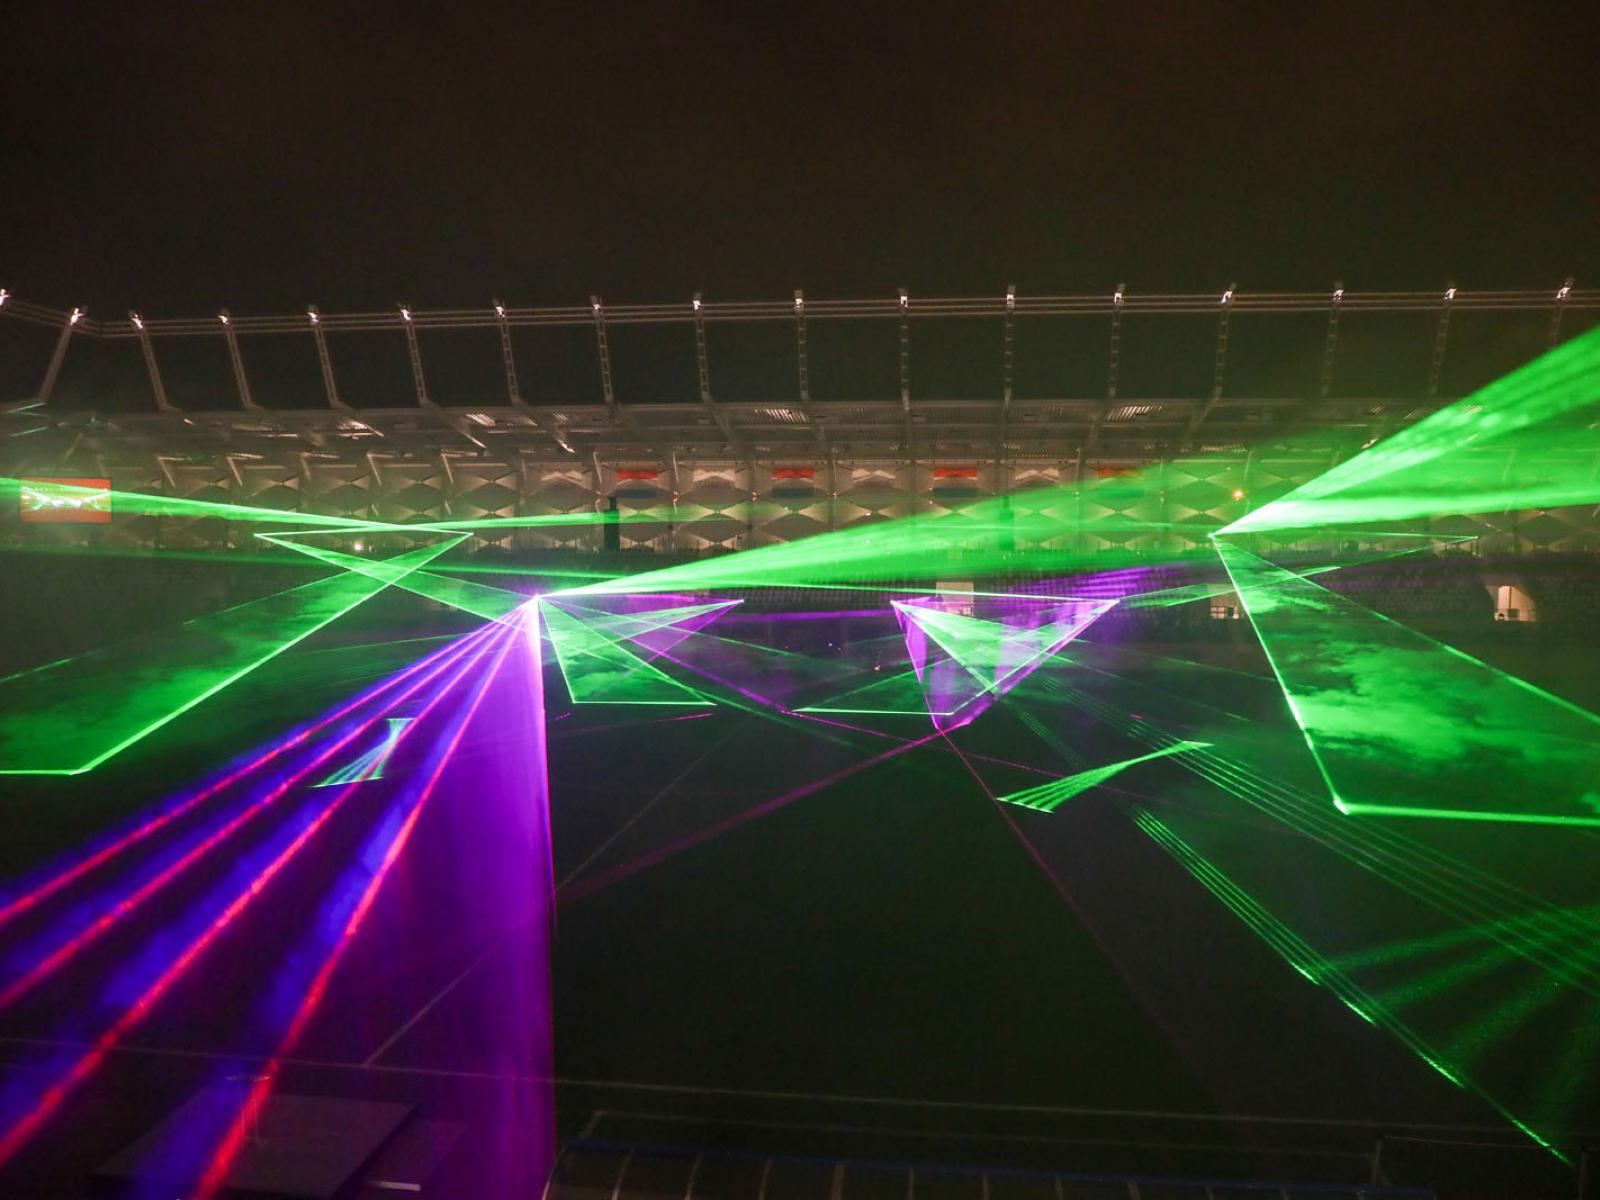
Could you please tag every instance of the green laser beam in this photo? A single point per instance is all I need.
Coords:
(599, 669)
(145, 504)
(1395, 719)
(1391, 952)
(1300, 955)
(478, 599)
(370, 765)
(905, 546)
(1047, 797)
(1553, 939)
(73, 716)
(1437, 466)
(897, 694)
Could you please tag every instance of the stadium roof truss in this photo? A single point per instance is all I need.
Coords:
(794, 426)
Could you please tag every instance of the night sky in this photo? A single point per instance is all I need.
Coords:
(182, 157)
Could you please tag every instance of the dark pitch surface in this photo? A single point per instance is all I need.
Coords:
(887, 936)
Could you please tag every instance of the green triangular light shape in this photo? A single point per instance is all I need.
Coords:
(599, 665)
(71, 716)
(481, 600)
(1402, 725)
(981, 658)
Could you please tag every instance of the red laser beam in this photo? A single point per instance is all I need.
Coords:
(102, 924)
(227, 1151)
(605, 878)
(18, 1135)
(28, 900)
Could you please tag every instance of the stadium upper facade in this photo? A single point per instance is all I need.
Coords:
(805, 414)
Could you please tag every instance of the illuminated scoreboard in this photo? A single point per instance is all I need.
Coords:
(85, 501)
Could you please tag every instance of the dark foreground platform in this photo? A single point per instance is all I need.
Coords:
(309, 1147)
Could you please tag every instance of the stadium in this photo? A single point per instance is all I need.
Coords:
(831, 602)
(786, 786)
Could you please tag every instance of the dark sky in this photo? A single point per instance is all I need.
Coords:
(181, 157)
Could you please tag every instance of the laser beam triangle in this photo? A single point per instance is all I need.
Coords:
(1402, 725)
(964, 662)
(604, 657)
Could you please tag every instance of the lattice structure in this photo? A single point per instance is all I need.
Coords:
(739, 472)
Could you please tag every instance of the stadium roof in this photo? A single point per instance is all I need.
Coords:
(1013, 397)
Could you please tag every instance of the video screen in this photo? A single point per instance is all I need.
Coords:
(81, 501)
